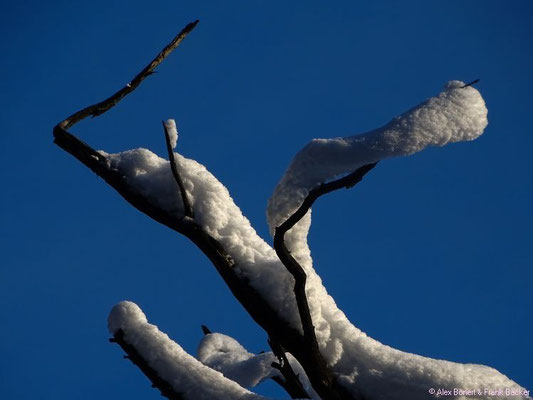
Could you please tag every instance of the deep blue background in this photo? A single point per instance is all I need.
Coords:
(431, 254)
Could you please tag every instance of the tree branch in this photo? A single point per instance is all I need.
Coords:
(258, 307)
(296, 270)
(188, 211)
(291, 383)
(110, 102)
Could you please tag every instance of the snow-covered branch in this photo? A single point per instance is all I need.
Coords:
(228, 356)
(171, 369)
(183, 195)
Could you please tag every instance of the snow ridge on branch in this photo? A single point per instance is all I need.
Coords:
(191, 379)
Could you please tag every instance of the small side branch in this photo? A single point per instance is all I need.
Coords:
(110, 102)
(174, 168)
(470, 84)
(290, 381)
(296, 270)
(133, 355)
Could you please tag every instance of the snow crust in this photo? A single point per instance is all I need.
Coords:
(185, 373)
(364, 365)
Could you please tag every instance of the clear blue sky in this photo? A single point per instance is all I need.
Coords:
(431, 254)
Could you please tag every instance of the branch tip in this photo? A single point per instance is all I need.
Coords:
(105, 105)
(206, 330)
(470, 84)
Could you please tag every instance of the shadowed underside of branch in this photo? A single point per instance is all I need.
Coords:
(303, 347)
(133, 355)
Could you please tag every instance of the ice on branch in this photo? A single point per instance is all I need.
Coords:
(187, 376)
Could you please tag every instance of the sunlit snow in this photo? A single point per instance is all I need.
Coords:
(364, 365)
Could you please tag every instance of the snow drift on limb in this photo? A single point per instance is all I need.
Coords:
(455, 115)
(227, 355)
(188, 376)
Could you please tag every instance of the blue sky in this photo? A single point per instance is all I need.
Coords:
(430, 254)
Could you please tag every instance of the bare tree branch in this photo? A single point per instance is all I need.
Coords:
(188, 211)
(206, 330)
(470, 84)
(110, 102)
(133, 355)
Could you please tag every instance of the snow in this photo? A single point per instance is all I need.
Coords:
(364, 365)
(228, 356)
(172, 130)
(457, 114)
(185, 373)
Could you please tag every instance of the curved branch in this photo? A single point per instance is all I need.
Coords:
(296, 270)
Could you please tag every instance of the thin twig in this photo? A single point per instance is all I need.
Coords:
(290, 381)
(187, 208)
(470, 84)
(103, 106)
(300, 277)
(133, 355)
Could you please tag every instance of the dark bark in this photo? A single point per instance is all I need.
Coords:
(174, 168)
(328, 388)
(103, 106)
(290, 381)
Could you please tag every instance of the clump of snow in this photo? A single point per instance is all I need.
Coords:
(123, 314)
(457, 114)
(367, 367)
(228, 356)
(216, 212)
(183, 372)
(172, 130)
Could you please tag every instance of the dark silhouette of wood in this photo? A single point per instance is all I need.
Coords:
(321, 369)
(174, 168)
(290, 381)
(470, 84)
(206, 330)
